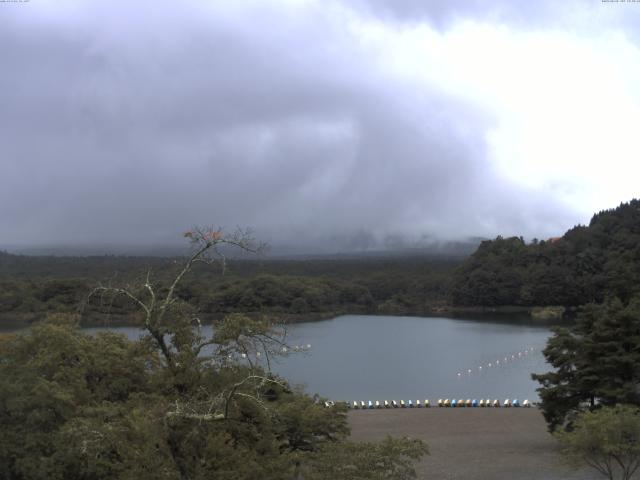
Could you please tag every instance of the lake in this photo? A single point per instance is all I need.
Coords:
(362, 357)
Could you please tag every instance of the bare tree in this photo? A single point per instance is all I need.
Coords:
(176, 330)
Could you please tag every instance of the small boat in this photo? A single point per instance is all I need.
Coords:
(370, 404)
(440, 402)
(418, 404)
(496, 403)
(526, 404)
(410, 403)
(386, 404)
(467, 403)
(482, 402)
(355, 405)
(507, 403)
(474, 403)
(426, 403)
(362, 404)
(394, 404)
(515, 403)
(461, 403)
(378, 404)
(402, 405)
(454, 402)
(329, 404)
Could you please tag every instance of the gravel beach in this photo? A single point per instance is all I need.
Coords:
(473, 443)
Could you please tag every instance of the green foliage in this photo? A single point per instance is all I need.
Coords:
(607, 439)
(173, 404)
(32, 286)
(596, 362)
(588, 264)
(98, 407)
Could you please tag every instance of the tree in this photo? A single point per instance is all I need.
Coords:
(607, 440)
(175, 404)
(596, 362)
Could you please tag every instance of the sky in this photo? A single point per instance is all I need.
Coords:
(326, 124)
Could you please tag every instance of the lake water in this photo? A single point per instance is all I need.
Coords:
(361, 357)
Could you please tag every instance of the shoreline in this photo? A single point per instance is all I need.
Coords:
(473, 443)
(503, 313)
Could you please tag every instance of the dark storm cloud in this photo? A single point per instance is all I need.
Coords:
(131, 124)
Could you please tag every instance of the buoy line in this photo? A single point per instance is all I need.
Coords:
(501, 361)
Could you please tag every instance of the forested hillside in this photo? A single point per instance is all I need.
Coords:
(30, 286)
(587, 264)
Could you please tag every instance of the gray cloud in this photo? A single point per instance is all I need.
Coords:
(130, 128)
(574, 15)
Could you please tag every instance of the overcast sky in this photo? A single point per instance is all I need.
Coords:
(314, 120)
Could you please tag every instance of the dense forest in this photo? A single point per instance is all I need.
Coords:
(32, 286)
(586, 265)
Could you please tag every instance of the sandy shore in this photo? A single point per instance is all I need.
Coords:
(473, 443)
